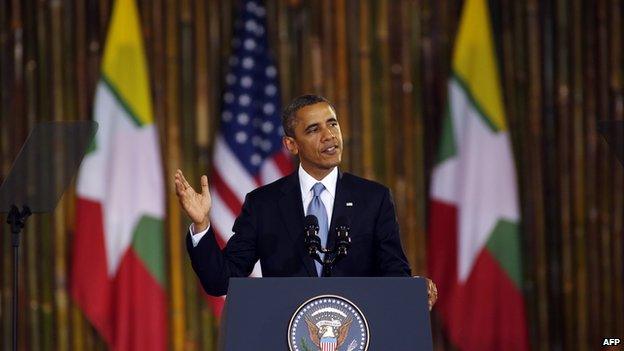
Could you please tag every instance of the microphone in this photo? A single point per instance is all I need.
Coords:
(341, 247)
(343, 240)
(312, 240)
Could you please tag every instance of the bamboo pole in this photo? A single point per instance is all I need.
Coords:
(45, 234)
(604, 238)
(173, 162)
(375, 97)
(549, 278)
(28, 248)
(5, 329)
(366, 89)
(563, 98)
(11, 30)
(407, 131)
(527, 131)
(203, 112)
(313, 78)
(207, 335)
(219, 48)
(77, 328)
(592, 187)
(578, 179)
(617, 90)
(427, 79)
(71, 112)
(157, 70)
(608, 257)
(160, 25)
(341, 95)
(284, 53)
(354, 102)
(395, 122)
(424, 93)
(508, 59)
(187, 83)
(77, 321)
(60, 268)
(30, 241)
(46, 262)
(229, 9)
(93, 48)
(219, 43)
(422, 139)
(32, 272)
(604, 167)
(532, 184)
(189, 145)
(105, 8)
(385, 118)
(203, 108)
(212, 91)
(60, 293)
(328, 49)
(310, 53)
(154, 40)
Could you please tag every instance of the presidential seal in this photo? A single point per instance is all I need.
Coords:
(328, 323)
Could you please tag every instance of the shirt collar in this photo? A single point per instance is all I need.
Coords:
(306, 181)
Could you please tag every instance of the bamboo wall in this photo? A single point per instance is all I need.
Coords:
(384, 64)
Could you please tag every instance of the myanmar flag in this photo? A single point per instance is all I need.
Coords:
(474, 252)
(118, 273)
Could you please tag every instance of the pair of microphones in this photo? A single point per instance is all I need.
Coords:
(331, 255)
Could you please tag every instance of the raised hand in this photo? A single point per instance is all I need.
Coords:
(196, 205)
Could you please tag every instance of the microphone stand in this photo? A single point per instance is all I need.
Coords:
(313, 243)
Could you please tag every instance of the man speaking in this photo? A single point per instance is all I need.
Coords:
(270, 227)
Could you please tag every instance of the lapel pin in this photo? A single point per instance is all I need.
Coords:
(349, 204)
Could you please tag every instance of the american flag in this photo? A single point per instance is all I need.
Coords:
(248, 150)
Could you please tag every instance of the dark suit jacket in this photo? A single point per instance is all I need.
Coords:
(270, 228)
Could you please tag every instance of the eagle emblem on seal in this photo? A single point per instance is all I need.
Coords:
(328, 335)
(328, 323)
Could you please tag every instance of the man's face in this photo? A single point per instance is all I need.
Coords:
(317, 140)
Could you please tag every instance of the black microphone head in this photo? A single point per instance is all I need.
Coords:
(311, 240)
(311, 220)
(343, 222)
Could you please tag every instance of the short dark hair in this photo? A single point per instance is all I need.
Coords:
(290, 112)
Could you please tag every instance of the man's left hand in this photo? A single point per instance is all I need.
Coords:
(432, 293)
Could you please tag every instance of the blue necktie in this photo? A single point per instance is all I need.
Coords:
(317, 209)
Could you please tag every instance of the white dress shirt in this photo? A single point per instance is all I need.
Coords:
(306, 182)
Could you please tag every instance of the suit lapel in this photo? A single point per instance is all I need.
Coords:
(291, 208)
(343, 196)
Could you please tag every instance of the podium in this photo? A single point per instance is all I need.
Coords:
(338, 314)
